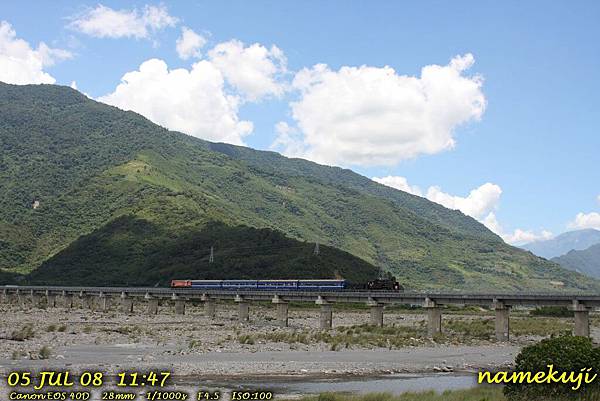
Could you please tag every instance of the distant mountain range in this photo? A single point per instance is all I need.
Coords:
(586, 261)
(562, 244)
(91, 194)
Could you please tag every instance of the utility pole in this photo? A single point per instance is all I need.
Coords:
(212, 255)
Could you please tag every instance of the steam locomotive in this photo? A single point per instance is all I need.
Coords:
(385, 284)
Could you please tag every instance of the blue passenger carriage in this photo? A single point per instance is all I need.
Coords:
(264, 285)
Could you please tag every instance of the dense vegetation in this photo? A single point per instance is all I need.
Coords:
(85, 165)
(586, 261)
(132, 251)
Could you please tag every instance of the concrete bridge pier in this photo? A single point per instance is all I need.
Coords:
(376, 312)
(210, 309)
(502, 323)
(67, 300)
(21, 299)
(126, 303)
(12, 299)
(179, 304)
(152, 304)
(87, 302)
(325, 315)
(434, 317)
(50, 299)
(282, 311)
(7, 297)
(35, 299)
(582, 319)
(104, 302)
(243, 309)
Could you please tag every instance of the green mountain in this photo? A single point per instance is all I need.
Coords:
(585, 261)
(91, 193)
(132, 251)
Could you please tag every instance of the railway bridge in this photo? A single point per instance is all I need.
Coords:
(432, 303)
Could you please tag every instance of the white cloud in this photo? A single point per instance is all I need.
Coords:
(400, 183)
(491, 222)
(373, 116)
(21, 64)
(586, 220)
(192, 101)
(189, 44)
(254, 70)
(598, 198)
(105, 22)
(519, 237)
(287, 136)
(204, 100)
(479, 204)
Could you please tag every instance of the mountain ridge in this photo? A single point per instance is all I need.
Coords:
(88, 164)
(560, 245)
(586, 261)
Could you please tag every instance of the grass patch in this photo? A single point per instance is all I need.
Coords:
(26, 332)
(473, 329)
(247, 339)
(344, 337)
(44, 352)
(484, 328)
(540, 326)
(127, 330)
(552, 311)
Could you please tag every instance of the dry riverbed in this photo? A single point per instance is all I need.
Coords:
(193, 344)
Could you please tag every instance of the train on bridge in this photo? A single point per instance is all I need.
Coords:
(284, 285)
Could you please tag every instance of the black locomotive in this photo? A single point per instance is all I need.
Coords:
(389, 284)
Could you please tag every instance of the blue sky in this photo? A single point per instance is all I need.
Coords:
(519, 102)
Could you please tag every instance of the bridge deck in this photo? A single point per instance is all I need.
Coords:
(346, 296)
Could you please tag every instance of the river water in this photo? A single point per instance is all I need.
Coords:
(293, 387)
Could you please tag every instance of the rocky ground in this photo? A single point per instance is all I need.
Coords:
(193, 344)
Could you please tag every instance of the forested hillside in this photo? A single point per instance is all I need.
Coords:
(85, 184)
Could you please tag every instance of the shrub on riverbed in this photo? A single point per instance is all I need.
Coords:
(26, 332)
(45, 352)
(566, 354)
